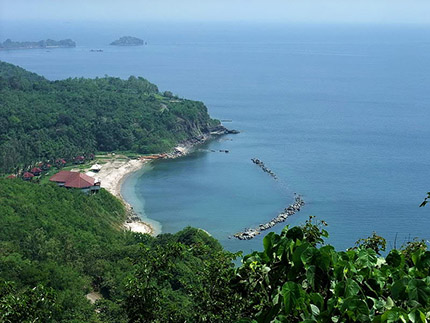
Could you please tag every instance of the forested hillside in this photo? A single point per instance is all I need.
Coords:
(42, 120)
(57, 245)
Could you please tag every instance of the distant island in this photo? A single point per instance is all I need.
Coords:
(128, 41)
(48, 43)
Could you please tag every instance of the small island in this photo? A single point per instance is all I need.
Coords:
(128, 41)
(48, 43)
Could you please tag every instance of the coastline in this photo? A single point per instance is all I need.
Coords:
(114, 172)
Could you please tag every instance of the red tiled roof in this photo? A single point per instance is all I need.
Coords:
(28, 175)
(80, 181)
(73, 179)
(11, 176)
(36, 170)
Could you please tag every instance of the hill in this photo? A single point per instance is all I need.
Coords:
(57, 245)
(42, 120)
(128, 41)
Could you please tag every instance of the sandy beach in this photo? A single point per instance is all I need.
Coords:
(112, 175)
(114, 172)
(115, 169)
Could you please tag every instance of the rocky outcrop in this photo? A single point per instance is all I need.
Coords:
(221, 130)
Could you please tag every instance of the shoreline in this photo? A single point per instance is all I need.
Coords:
(112, 175)
(115, 171)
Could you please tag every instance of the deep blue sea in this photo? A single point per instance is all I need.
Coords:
(340, 113)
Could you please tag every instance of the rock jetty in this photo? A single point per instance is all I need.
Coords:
(251, 233)
(259, 163)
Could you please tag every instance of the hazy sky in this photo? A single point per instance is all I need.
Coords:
(313, 11)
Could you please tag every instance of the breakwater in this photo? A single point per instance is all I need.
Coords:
(265, 169)
(250, 233)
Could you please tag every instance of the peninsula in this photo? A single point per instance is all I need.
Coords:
(41, 44)
(65, 256)
(128, 41)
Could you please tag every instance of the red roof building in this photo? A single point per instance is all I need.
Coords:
(36, 171)
(75, 180)
(27, 176)
(11, 176)
(79, 159)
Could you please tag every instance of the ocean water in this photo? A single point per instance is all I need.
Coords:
(339, 113)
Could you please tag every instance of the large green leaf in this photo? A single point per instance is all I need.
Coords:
(394, 258)
(317, 299)
(309, 255)
(295, 233)
(310, 276)
(366, 258)
(416, 316)
(268, 243)
(419, 291)
(291, 294)
(423, 261)
(394, 315)
(398, 290)
(351, 288)
(355, 307)
(298, 253)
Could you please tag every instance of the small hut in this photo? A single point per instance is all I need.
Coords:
(27, 176)
(95, 168)
(36, 171)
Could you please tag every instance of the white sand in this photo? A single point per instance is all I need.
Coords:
(140, 227)
(111, 176)
(113, 173)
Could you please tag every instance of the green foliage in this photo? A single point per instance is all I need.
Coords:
(57, 245)
(64, 244)
(45, 120)
(183, 278)
(61, 240)
(375, 242)
(27, 305)
(294, 281)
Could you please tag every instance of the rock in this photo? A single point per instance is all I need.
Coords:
(250, 233)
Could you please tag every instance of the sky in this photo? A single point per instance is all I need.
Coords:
(286, 11)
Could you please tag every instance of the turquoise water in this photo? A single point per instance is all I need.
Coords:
(340, 113)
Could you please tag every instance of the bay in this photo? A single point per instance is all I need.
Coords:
(339, 113)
